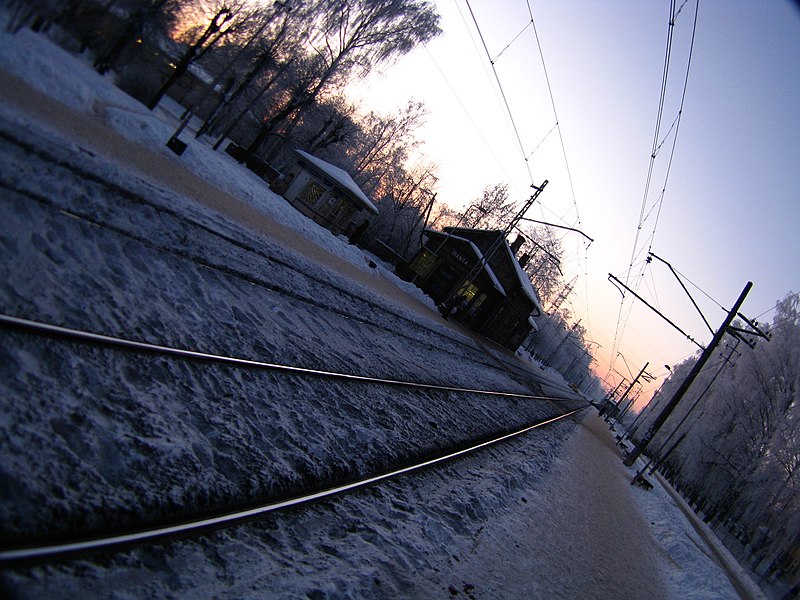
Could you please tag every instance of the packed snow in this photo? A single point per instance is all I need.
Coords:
(93, 437)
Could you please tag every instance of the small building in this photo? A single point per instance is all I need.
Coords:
(479, 266)
(326, 194)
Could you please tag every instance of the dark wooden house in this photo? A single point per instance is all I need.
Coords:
(477, 270)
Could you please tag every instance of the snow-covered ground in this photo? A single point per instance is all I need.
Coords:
(104, 235)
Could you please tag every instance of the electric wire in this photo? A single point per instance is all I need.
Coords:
(511, 43)
(664, 77)
(622, 324)
(555, 112)
(775, 307)
(510, 114)
(677, 125)
(582, 265)
(466, 111)
(515, 128)
(563, 146)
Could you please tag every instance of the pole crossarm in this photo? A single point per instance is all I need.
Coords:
(559, 226)
(687, 382)
(740, 332)
(737, 333)
(655, 310)
(674, 272)
(755, 330)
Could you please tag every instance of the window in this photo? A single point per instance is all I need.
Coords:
(476, 304)
(311, 194)
(332, 207)
(468, 290)
(423, 264)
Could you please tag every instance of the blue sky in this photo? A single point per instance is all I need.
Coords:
(730, 211)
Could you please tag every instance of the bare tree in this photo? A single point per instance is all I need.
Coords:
(492, 209)
(385, 142)
(336, 123)
(408, 193)
(226, 17)
(270, 48)
(139, 16)
(349, 38)
(541, 257)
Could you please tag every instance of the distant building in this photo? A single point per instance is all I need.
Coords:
(478, 266)
(326, 194)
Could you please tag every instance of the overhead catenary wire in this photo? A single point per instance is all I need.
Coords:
(555, 112)
(677, 125)
(581, 259)
(510, 114)
(511, 43)
(501, 165)
(622, 320)
(563, 147)
(664, 77)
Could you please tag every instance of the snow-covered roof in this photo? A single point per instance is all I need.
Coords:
(524, 279)
(495, 281)
(341, 177)
(486, 266)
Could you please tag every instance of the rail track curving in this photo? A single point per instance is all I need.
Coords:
(186, 238)
(77, 544)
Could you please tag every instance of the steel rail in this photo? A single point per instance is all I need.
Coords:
(47, 155)
(196, 526)
(50, 330)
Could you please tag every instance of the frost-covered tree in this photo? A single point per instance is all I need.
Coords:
(739, 458)
(218, 19)
(348, 39)
(492, 209)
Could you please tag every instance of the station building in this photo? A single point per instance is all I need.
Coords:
(477, 271)
(325, 193)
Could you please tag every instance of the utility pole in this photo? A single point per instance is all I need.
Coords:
(496, 245)
(633, 383)
(651, 405)
(614, 392)
(606, 405)
(662, 456)
(679, 393)
(615, 413)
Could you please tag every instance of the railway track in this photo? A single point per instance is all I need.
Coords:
(180, 239)
(181, 526)
(271, 435)
(57, 331)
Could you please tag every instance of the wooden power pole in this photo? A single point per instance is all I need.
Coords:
(679, 393)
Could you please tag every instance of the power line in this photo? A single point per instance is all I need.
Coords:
(644, 213)
(513, 40)
(664, 78)
(502, 93)
(555, 112)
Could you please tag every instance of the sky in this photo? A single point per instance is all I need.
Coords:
(721, 207)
